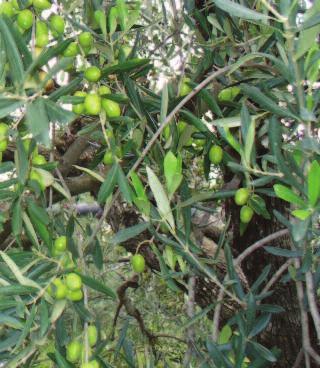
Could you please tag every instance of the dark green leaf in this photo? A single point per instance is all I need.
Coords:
(12, 51)
(237, 10)
(124, 67)
(97, 285)
(128, 233)
(283, 252)
(108, 185)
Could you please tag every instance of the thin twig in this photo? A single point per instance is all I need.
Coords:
(277, 275)
(312, 303)
(190, 313)
(216, 316)
(314, 355)
(298, 359)
(304, 319)
(260, 243)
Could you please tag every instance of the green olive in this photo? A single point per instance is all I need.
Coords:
(241, 197)
(25, 19)
(215, 154)
(138, 263)
(246, 214)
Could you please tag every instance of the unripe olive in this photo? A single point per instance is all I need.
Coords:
(72, 50)
(73, 281)
(241, 197)
(56, 25)
(215, 154)
(92, 74)
(85, 40)
(138, 263)
(79, 108)
(246, 214)
(185, 89)
(111, 108)
(74, 350)
(25, 19)
(92, 104)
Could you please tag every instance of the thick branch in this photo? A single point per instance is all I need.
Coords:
(73, 153)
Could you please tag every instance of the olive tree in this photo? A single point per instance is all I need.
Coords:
(168, 144)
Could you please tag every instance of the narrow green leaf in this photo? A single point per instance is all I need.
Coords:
(97, 285)
(263, 352)
(13, 54)
(16, 221)
(161, 198)
(302, 214)
(9, 105)
(44, 317)
(107, 187)
(124, 186)
(38, 122)
(27, 327)
(122, 14)
(314, 183)
(173, 172)
(128, 233)
(126, 66)
(57, 114)
(240, 11)
(164, 103)
(38, 212)
(16, 289)
(266, 102)
(283, 252)
(288, 195)
(21, 161)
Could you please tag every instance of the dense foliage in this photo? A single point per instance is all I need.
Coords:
(160, 183)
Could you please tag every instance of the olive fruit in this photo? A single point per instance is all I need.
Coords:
(92, 335)
(73, 281)
(74, 350)
(3, 145)
(25, 19)
(74, 295)
(111, 108)
(241, 197)
(72, 50)
(92, 104)
(39, 160)
(3, 130)
(138, 263)
(181, 125)
(246, 214)
(228, 94)
(61, 289)
(215, 154)
(108, 158)
(104, 90)
(42, 34)
(79, 108)
(85, 40)
(41, 4)
(7, 9)
(56, 24)
(92, 74)
(60, 244)
(185, 88)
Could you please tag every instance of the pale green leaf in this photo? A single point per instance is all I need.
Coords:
(161, 198)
